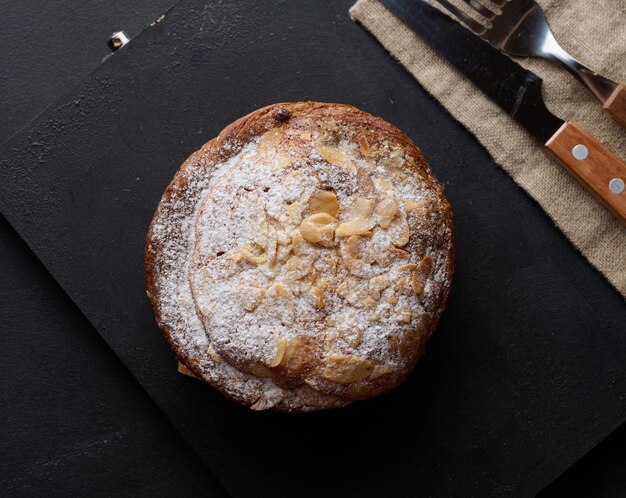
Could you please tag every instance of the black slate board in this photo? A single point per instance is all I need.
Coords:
(527, 370)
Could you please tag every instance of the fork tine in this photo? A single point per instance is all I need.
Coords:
(481, 9)
(454, 10)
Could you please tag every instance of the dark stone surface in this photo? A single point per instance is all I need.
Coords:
(524, 376)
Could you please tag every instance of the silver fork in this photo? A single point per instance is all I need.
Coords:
(520, 28)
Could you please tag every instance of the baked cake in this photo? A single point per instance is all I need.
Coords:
(301, 259)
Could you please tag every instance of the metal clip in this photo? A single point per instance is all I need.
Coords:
(118, 40)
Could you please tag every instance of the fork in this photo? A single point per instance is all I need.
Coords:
(520, 27)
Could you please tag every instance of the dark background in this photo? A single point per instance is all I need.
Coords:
(101, 434)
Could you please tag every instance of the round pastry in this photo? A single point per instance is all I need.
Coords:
(300, 260)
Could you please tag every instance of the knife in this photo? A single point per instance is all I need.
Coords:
(518, 92)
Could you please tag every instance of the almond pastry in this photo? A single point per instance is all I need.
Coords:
(300, 260)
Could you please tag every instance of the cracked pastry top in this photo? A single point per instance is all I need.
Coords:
(301, 259)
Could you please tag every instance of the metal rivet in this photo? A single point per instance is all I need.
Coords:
(580, 152)
(118, 40)
(616, 186)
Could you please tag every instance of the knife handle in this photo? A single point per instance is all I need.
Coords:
(593, 165)
(616, 104)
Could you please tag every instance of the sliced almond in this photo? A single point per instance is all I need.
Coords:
(249, 297)
(298, 268)
(400, 233)
(382, 184)
(348, 334)
(305, 135)
(310, 232)
(411, 205)
(324, 201)
(312, 276)
(364, 146)
(271, 272)
(330, 342)
(319, 228)
(294, 210)
(297, 243)
(391, 299)
(354, 340)
(311, 383)
(291, 347)
(404, 315)
(331, 321)
(396, 153)
(357, 294)
(185, 371)
(384, 222)
(387, 210)
(333, 155)
(403, 284)
(245, 254)
(363, 207)
(282, 237)
(270, 141)
(332, 263)
(388, 207)
(294, 263)
(260, 370)
(268, 400)
(346, 254)
(283, 253)
(354, 246)
(379, 371)
(421, 274)
(397, 252)
(322, 219)
(354, 227)
(369, 302)
(344, 369)
(342, 289)
(323, 284)
(278, 355)
(328, 235)
(278, 291)
(358, 267)
(254, 248)
(377, 285)
(213, 354)
(317, 296)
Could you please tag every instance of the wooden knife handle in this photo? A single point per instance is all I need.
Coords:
(616, 104)
(596, 167)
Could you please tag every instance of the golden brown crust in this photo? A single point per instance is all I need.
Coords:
(229, 143)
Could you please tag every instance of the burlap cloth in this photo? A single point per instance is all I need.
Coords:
(592, 31)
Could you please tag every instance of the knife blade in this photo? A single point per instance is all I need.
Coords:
(518, 92)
